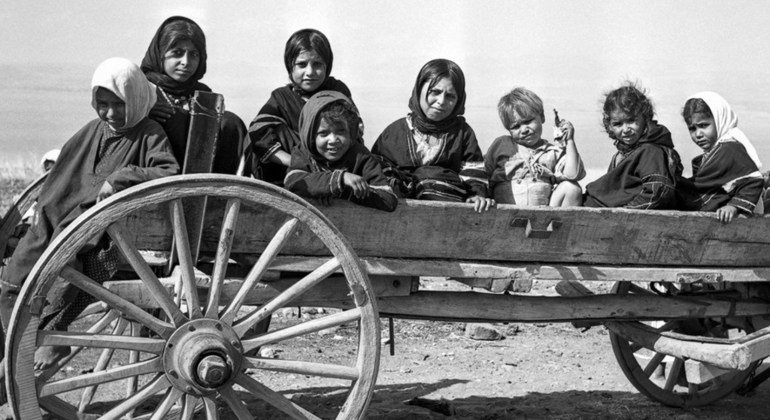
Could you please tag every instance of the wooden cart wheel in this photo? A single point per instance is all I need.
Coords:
(193, 356)
(14, 214)
(662, 377)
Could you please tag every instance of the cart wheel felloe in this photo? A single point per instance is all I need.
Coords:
(125, 362)
(662, 377)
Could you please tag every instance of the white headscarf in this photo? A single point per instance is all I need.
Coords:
(124, 78)
(727, 123)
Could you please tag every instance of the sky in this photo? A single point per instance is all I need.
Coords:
(569, 52)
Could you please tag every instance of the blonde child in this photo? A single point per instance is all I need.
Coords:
(119, 149)
(432, 153)
(275, 130)
(726, 177)
(643, 172)
(526, 169)
(334, 163)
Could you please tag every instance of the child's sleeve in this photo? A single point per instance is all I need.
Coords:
(746, 194)
(472, 171)
(302, 179)
(157, 161)
(657, 191)
(381, 194)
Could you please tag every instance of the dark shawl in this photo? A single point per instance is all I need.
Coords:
(643, 177)
(425, 125)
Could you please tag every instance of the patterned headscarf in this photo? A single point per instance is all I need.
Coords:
(124, 78)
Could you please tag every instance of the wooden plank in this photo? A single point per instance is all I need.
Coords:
(419, 230)
(700, 373)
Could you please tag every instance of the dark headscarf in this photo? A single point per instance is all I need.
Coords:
(171, 31)
(432, 72)
(308, 118)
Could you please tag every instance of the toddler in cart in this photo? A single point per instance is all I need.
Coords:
(331, 160)
(526, 169)
(121, 148)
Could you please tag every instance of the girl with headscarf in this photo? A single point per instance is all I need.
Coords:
(726, 177)
(119, 149)
(274, 133)
(432, 154)
(175, 62)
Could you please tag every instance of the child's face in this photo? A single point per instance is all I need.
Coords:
(332, 140)
(439, 101)
(110, 108)
(526, 130)
(703, 131)
(309, 71)
(627, 129)
(181, 61)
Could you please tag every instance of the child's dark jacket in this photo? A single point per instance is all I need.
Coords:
(641, 178)
(313, 176)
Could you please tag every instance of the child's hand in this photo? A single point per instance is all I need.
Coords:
(104, 192)
(357, 184)
(161, 112)
(567, 130)
(726, 214)
(480, 203)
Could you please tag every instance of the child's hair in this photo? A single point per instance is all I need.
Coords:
(631, 99)
(437, 69)
(522, 101)
(308, 40)
(695, 106)
(340, 112)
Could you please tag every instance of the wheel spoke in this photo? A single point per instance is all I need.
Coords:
(133, 357)
(104, 360)
(110, 375)
(224, 247)
(211, 409)
(653, 364)
(188, 410)
(668, 326)
(239, 408)
(145, 273)
(304, 368)
(273, 398)
(185, 259)
(262, 264)
(123, 342)
(172, 396)
(288, 295)
(303, 328)
(130, 310)
(673, 374)
(158, 384)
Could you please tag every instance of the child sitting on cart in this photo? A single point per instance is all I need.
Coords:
(526, 169)
(275, 130)
(432, 154)
(726, 177)
(331, 161)
(643, 172)
(121, 148)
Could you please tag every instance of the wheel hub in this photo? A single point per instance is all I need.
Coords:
(201, 356)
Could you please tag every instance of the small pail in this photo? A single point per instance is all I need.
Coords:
(524, 192)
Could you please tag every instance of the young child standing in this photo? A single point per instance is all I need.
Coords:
(526, 169)
(119, 149)
(333, 162)
(726, 177)
(433, 154)
(643, 172)
(275, 130)
(175, 62)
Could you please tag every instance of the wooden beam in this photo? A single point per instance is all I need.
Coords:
(700, 373)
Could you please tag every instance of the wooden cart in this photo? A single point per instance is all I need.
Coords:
(184, 324)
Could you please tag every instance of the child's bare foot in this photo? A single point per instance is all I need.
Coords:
(48, 356)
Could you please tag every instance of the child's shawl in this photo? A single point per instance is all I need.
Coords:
(728, 174)
(276, 127)
(127, 82)
(311, 175)
(643, 178)
(140, 154)
(505, 161)
(455, 172)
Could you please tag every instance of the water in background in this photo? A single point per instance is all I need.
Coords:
(43, 106)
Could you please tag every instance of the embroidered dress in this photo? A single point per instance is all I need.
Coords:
(512, 166)
(643, 177)
(311, 175)
(232, 131)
